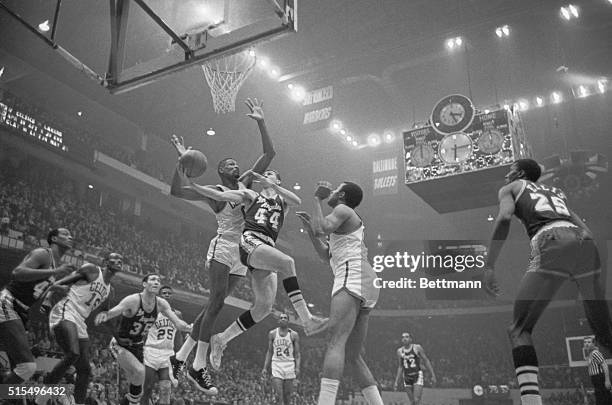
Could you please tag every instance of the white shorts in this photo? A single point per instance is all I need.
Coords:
(357, 278)
(157, 359)
(62, 312)
(225, 251)
(285, 370)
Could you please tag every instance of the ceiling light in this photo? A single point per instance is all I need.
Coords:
(44, 26)
(210, 132)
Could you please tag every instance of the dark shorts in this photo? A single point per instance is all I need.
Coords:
(248, 243)
(565, 251)
(411, 379)
(14, 341)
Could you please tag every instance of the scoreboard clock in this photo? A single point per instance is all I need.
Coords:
(452, 114)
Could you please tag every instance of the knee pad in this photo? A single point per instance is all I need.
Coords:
(25, 370)
(164, 391)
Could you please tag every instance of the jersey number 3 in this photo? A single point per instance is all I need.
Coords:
(555, 204)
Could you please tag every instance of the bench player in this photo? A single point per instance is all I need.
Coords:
(88, 288)
(158, 349)
(264, 214)
(562, 248)
(353, 293)
(284, 356)
(138, 313)
(410, 371)
(223, 258)
(29, 281)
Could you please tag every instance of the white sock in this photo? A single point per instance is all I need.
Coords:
(300, 306)
(231, 332)
(187, 347)
(328, 392)
(199, 361)
(372, 395)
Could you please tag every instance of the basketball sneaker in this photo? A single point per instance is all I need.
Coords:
(203, 380)
(216, 351)
(177, 369)
(315, 325)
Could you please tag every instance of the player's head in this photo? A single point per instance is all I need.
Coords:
(114, 262)
(60, 237)
(589, 343)
(406, 338)
(165, 291)
(347, 193)
(272, 175)
(151, 283)
(228, 168)
(283, 320)
(527, 169)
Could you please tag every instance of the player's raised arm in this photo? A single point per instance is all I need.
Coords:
(421, 352)
(320, 246)
(165, 309)
(36, 266)
(125, 304)
(268, 360)
(236, 196)
(326, 225)
(263, 162)
(290, 197)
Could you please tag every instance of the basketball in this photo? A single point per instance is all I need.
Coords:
(194, 162)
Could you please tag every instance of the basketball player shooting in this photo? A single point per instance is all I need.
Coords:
(353, 292)
(284, 356)
(562, 248)
(223, 258)
(264, 215)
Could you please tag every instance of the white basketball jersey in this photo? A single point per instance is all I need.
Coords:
(345, 247)
(161, 334)
(230, 220)
(282, 346)
(84, 298)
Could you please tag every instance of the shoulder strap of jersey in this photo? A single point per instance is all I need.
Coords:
(523, 186)
(53, 265)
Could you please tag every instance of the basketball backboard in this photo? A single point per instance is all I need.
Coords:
(153, 38)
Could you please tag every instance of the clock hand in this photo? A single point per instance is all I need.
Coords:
(455, 150)
(454, 115)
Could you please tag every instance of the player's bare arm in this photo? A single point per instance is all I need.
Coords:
(268, 360)
(165, 309)
(263, 162)
(419, 350)
(126, 306)
(37, 266)
(295, 337)
(398, 375)
(235, 196)
(290, 197)
(320, 245)
(329, 224)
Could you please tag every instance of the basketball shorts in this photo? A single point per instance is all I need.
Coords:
(13, 337)
(11, 309)
(251, 241)
(62, 312)
(157, 359)
(130, 360)
(285, 370)
(414, 379)
(226, 251)
(357, 278)
(564, 251)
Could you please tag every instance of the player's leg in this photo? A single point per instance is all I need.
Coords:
(535, 292)
(66, 335)
(277, 387)
(263, 284)
(596, 309)
(343, 314)
(417, 390)
(165, 386)
(355, 351)
(83, 371)
(150, 379)
(13, 336)
(288, 385)
(268, 258)
(410, 393)
(134, 371)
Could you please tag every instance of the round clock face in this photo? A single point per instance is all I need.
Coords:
(455, 148)
(452, 114)
(422, 155)
(490, 141)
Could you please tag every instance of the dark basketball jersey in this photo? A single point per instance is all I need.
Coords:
(539, 204)
(411, 362)
(28, 292)
(265, 215)
(136, 327)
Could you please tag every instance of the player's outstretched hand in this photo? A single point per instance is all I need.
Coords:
(323, 190)
(490, 282)
(101, 318)
(263, 180)
(179, 145)
(264, 374)
(256, 108)
(64, 270)
(304, 216)
(434, 380)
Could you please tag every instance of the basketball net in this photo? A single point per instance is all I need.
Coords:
(225, 76)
